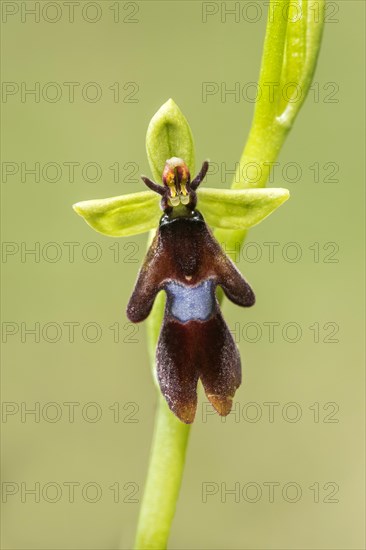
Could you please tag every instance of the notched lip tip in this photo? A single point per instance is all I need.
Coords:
(221, 404)
(186, 415)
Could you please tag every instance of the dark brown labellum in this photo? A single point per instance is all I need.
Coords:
(187, 262)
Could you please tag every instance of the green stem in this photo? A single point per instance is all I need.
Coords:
(288, 63)
(163, 480)
(290, 54)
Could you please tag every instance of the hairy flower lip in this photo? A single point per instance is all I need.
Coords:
(187, 262)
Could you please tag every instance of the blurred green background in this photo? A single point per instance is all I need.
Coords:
(85, 373)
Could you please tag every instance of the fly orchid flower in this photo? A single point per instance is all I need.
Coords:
(186, 261)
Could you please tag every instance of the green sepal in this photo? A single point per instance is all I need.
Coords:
(169, 135)
(239, 208)
(140, 212)
(122, 216)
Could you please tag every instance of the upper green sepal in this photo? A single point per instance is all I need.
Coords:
(140, 212)
(169, 135)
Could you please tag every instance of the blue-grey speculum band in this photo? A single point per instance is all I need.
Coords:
(191, 303)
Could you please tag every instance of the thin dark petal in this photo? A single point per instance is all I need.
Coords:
(200, 176)
(177, 369)
(233, 283)
(229, 277)
(220, 369)
(153, 186)
(148, 283)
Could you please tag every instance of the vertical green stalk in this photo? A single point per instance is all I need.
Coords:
(289, 58)
(290, 52)
(163, 480)
(291, 48)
